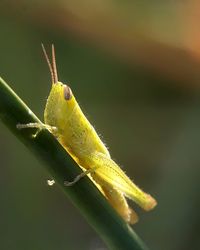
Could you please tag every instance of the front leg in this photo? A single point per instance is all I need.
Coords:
(38, 126)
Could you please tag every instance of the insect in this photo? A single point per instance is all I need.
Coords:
(64, 118)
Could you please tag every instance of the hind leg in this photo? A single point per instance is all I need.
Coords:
(118, 201)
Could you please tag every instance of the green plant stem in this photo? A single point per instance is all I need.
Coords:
(84, 195)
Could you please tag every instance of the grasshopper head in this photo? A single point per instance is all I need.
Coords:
(60, 105)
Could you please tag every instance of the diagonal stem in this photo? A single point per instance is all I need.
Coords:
(84, 195)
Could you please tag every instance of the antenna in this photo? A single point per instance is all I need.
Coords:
(52, 68)
(54, 64)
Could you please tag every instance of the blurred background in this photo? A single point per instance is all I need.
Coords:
(134, 67)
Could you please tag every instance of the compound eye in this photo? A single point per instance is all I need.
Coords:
(67, 93)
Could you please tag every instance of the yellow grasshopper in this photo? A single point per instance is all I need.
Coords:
(64, 118)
